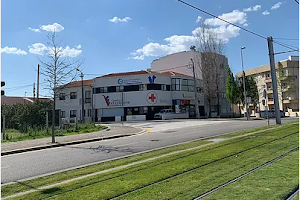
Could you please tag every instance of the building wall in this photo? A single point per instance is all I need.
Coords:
(288, 98)
(73, 104)
(179, 62)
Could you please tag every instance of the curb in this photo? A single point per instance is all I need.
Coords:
(17, 151)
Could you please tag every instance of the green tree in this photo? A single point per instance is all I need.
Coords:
(231, 88)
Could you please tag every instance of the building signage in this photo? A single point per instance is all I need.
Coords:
(187, 96)
(151, 79)
(129, 81)
(114, 102)
(151, 97)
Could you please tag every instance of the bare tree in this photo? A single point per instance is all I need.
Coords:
(210, 62)
(58, 70)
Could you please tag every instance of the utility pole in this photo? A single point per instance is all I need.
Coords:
(82, 96)
(33, 90)
(3, 131)
(274, 80)
(38, 82)
(47, 122)
(245, 97)
(195, 91)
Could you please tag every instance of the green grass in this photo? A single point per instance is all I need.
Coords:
(274, 181)
(296, 197)
(189, 185)
(58, 177)
(13, 135)
(263, 128)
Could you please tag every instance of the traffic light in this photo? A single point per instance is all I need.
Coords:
(2, 84)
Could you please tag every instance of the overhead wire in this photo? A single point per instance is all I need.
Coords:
(258, 35)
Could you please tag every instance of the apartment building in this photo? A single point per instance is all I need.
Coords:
(181, 63)
(287, 72)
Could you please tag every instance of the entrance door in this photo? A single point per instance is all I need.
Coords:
(201, 111)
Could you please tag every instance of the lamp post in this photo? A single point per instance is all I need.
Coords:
(245, 99)
(82, 96)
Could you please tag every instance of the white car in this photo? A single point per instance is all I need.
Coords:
(161, 112)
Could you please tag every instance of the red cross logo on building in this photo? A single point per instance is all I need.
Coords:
(152, 97)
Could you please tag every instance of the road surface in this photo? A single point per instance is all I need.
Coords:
(30, 164)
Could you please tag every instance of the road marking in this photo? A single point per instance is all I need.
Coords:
(125, 144)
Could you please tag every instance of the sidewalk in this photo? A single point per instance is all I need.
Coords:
(29, 145)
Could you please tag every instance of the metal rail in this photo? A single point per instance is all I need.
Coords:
(292, 194)
(246, 174)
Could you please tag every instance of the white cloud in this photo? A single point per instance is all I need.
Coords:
(41, 49)
(178, 43)
(235, 16)
(254, 8)
(78, 47)
(117, 19)
(198, 19)
(266, 12)
(13, 50)
(70, 52)
(276, 6)
(34, 29)
(52, 27)
(38, 48)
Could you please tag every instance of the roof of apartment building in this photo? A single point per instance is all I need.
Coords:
(5, 100)
(78, 83)
(266, 68)
(167, 73)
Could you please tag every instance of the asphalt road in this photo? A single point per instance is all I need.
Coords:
(25, 165)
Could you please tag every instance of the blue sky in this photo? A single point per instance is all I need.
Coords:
(114, 36)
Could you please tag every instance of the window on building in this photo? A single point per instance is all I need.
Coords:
(153, 86)
(128, 88)
(269, 75)
(285, 72)
(187, 85)
(88, 96)
(166, 87)
(176, 84)
(142, 87)
(63, 114)
(199, 89)
(62, 96)
(120, 88)
(111, 89)
(73, 95)
(284, 85)
(73, 113)
(263, 75)
(89, 112)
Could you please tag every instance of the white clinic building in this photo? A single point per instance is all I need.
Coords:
(141, 94)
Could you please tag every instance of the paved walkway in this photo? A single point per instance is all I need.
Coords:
(111, 131)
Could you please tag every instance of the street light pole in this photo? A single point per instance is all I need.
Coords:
(82, 97)
(245, 101)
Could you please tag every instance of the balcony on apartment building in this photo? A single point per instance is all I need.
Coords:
(269, 90)
(268, 80)
(270, 101)
(287, 100)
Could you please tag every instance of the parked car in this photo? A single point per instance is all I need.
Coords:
(163, 111)
(270, 114)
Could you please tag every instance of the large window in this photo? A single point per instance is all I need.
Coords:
(73, 95)
(88, 97)
(62, 96)
(153, 86)
(111, 89)
(100, 90)
(120, 88)
(73, 113)
(176, 84)
(166, 87)
(182, 84)
(128, 88)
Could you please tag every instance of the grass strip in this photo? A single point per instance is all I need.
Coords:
(193, 184)
(274, 181)
(47, 180)
(164, 170)
(13, 135)
(263, 128)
